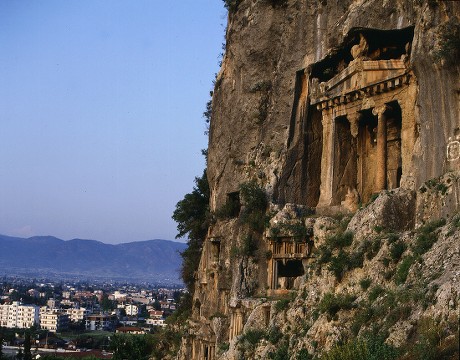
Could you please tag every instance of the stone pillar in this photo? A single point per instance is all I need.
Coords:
(194, 349)
(232, 326)
(381, 163)
(239, 322)
(270, 267)
(327, 160)
(275, 275)
(354, 119)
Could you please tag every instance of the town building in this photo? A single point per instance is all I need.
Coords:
(131, 310)
(100, 322)
(130, 330)
(17, 315)
(76, 315)
(155, 322)
(53, 320)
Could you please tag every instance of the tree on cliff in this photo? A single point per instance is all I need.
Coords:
(191, 217)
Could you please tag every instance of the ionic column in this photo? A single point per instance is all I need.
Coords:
(327, 159)
(381, 171)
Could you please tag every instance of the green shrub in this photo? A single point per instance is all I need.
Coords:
(442, 188)
(253, 196)
(456, 222)
(340, 240)
(431, 226)
(280, 354)
(298, 230)
(449, 42)
(339, 264)
(362, 317)
(373, 348)
(396, 250)
(356, 259)
(223, 347)
(231, 5)
(386, 261)
(331, 304)
(392, 238)
(400, 312)
(387, 275)
(375, 292)
(253, 336)
(370, 248)
(428, 341)
(365, 283)
(403, 270)
(324, 254)
(249, 246)
(303, 355)
(282, 304)
(274, 335)
(255, 204)
(373, 249)
(427, 236)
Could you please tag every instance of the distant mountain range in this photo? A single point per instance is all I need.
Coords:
(154, 261)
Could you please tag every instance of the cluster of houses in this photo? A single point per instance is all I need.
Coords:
(23, 316)
(57, 316)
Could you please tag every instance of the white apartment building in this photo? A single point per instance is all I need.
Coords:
(155, 322)
(117, 295)
(53, 303)
(18, 315)
(53, 320)
(100, 322)
(79, 314)
(131, 310)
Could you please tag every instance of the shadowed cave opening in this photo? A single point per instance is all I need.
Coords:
(287, 271)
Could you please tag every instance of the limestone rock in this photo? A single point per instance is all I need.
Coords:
(392, 210)
(324, 104)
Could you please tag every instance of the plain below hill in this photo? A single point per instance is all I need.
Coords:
(151, 260)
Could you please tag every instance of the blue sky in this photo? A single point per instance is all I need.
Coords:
(101, 106)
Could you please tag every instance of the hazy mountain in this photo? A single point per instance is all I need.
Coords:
(151, 260)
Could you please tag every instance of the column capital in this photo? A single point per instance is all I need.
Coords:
(354, 119)
(326, 117)
(379, 110)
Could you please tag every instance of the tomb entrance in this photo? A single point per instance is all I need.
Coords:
(365, 93)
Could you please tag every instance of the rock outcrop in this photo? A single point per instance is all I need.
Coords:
(321, 106)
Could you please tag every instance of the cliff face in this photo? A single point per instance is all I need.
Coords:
(320, 105)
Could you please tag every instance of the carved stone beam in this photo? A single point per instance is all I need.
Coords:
(381, 171)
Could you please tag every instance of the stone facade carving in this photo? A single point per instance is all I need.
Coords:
(367, 116)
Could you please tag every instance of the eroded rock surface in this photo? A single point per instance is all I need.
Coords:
(324, 104)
